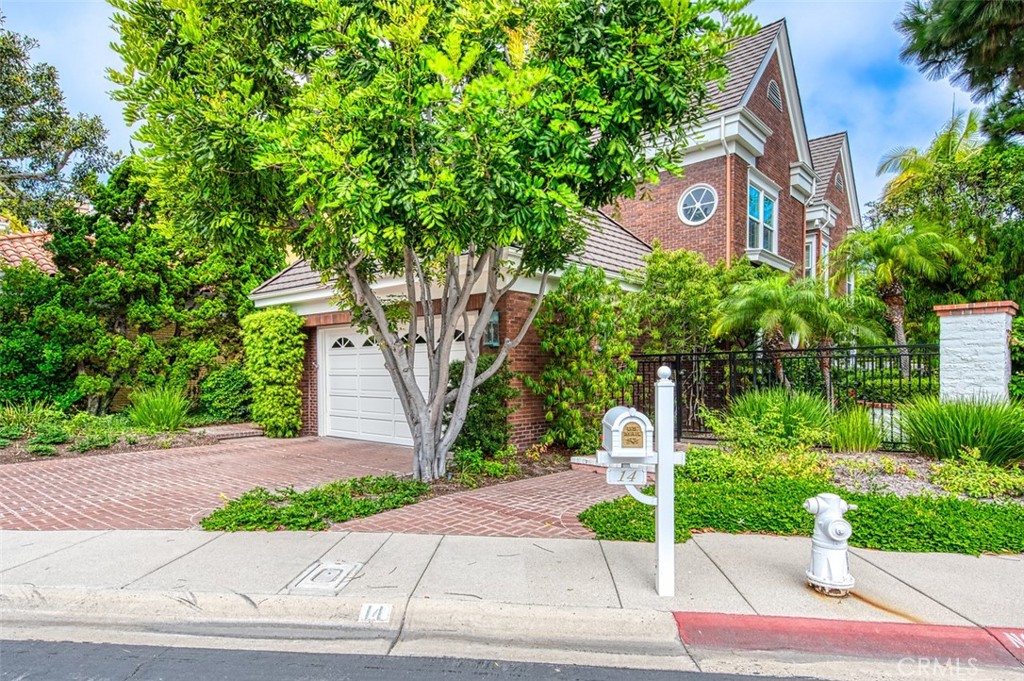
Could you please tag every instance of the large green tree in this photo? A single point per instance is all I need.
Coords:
(980, 43)
(955, 143)
(47, 154)
(450, 146)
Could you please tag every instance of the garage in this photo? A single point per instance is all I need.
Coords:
(357, 398)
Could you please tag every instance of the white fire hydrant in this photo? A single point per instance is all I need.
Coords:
(830, 563)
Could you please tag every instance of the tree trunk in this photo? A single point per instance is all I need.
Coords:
(896, 306)
(774, 346)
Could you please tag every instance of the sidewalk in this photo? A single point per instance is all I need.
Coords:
(741, 603)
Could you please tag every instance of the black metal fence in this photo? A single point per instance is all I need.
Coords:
(875, 377)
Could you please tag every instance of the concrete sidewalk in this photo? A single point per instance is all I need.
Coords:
(556, 600)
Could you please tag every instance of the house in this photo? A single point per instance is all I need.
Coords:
(754, 187)
(346, 389)
(28, 247)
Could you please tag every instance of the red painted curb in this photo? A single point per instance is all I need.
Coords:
(877, 640)
(1011, 639)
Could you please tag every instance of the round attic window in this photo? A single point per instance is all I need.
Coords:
(698, 204)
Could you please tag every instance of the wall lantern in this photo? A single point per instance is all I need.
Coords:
(492, 334)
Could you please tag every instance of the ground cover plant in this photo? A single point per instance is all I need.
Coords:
(317, 508)
(713, 493)
(970, 476)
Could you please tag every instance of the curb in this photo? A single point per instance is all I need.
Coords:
(876, 640)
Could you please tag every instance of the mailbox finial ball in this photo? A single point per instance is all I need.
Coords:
(664, 372)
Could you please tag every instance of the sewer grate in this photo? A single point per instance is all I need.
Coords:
(324, 579)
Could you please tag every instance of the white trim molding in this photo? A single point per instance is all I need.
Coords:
(759, 255)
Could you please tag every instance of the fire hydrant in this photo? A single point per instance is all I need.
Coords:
(830, 563)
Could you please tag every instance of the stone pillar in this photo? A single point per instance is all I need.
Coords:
(974, 350)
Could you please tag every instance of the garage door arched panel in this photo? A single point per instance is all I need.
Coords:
(357, 397)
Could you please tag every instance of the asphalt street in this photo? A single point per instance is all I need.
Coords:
(45, 660)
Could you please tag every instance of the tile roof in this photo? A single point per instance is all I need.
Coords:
(742, 61)
(609, 246)
(824, 154)
(17, 248)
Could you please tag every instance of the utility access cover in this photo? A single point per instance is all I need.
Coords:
(324, 579)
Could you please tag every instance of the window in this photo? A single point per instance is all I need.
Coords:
(775, 95)
(810, 257)
(839, 181)
(850, 283)
(342, 343)
(760, 219)
(697, 204)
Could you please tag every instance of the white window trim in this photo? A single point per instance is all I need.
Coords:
(764, 185)
(811, 267)
(679, 204)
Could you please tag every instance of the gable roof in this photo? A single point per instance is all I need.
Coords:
(743, 62)
(18, 248)
(825, 153)
(609, 246)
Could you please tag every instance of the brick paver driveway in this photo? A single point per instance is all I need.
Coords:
(536, 507)
(174, 488)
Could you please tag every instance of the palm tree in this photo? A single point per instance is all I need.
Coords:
(956, 141)
(772, 308)
(846, 320)
(894, 253)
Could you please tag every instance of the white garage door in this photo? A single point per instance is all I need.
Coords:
(357, 397)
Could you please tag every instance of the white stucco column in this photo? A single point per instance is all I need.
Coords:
(974, 350)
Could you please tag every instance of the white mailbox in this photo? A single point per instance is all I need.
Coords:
(628, 434)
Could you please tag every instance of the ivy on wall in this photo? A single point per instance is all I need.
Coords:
(587, 332)
(274, 351)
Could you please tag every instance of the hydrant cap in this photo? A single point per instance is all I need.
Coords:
(840, 530)
(811, 505)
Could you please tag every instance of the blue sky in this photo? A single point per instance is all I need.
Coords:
(846, 55)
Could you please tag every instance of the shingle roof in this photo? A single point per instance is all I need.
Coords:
(18, 248)
(609, 246)
(824, 154)
(742, 61)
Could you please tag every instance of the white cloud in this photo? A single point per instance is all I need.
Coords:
(847, 62)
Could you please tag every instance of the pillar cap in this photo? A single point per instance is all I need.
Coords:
(1003, 306)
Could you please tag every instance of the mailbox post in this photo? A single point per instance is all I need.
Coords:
(628, 449)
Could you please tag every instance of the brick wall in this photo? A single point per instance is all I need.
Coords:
(528, 423)
(308, 386)
(655, 217)
(779, 153)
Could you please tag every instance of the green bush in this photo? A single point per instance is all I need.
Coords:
(5, 443)
(486, 428)
(1017, 357)
(159, 409)
(225, 395)
(274, 352)
(944, 429)
(773, 505)
(586, 332)
(468, 465)
(972, 477)
(315, 509)
(853, 430)
(41, 449)
(713, 464)
(12, 432)
(93, 441)
(891, 389)
(29, 414)
(799, 412)
(50, 433)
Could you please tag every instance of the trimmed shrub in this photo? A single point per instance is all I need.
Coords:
(486, 429)
(854, 431)
(226, 394)
(945, 429)
(158, 409)
(274, 351)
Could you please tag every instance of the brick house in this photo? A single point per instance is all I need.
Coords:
(346, 389)
(754, 186)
